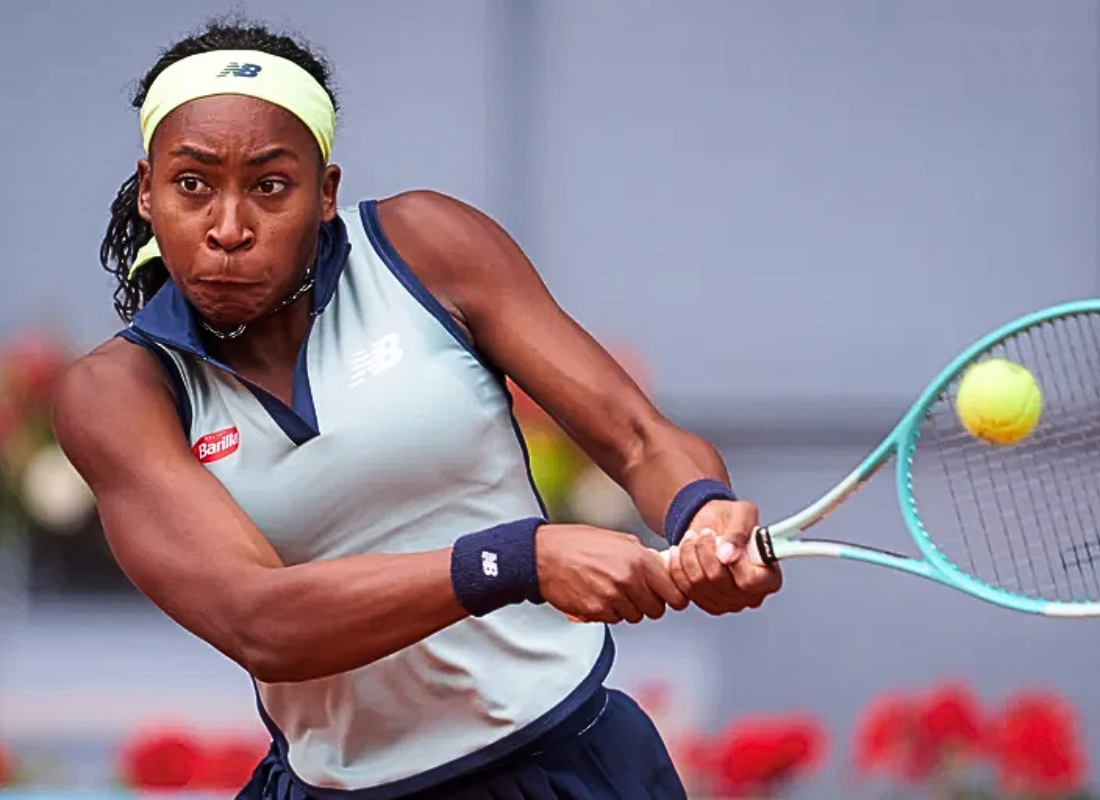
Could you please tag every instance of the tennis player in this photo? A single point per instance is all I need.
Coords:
(303, 451)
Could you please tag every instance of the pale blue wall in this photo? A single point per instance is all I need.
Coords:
(791, 199)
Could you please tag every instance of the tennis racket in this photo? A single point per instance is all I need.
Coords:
(1018, 525)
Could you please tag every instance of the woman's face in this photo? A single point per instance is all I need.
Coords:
(236, 192)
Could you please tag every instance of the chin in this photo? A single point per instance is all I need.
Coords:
(225, 310)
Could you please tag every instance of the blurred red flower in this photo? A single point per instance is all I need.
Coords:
(1037, 747)
(31, 366)
(7, 769)
(886, 739)
(761, 755)
(161, 759)
(951, 721)
(168, 758)
(228, 763)
(911, 737)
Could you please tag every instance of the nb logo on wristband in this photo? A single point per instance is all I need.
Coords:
(489, 563)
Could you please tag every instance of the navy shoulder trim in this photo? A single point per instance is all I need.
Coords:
(368, 212)
(171, 369)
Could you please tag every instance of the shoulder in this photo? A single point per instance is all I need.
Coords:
(115, 367)
(457, 250)
(434, 230)
(117, 387)
(432, 217)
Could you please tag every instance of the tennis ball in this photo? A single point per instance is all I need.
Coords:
(999, 401)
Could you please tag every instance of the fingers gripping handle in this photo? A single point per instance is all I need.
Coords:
(761, 541)
(665, 555)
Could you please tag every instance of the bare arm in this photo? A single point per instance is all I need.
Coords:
(472, 264)
(187, 546)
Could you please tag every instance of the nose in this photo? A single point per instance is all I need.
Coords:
(230, 230)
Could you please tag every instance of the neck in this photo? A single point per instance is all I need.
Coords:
(270, 343)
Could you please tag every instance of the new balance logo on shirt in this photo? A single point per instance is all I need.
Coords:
(383, 354)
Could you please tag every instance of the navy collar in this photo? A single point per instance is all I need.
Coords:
(169, 318)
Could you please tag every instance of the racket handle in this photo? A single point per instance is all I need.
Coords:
(764, 546)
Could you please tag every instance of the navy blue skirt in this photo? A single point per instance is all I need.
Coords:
(608, 750)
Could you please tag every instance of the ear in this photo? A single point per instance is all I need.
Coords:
(145, 182)
(330, 183)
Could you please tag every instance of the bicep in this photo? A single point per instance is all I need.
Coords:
(171, 526)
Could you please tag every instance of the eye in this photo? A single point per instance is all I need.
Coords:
(271, 186)
(191, 184)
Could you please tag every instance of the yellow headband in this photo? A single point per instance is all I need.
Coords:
(245, 72)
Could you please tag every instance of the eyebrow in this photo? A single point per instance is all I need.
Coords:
(213, 159)
(202, 156)
(272, 153)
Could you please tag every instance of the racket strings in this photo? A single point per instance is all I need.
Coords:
(1023, 518)
(1056, 513)
(1086, 511)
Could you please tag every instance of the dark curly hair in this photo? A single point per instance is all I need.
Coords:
(127, 231)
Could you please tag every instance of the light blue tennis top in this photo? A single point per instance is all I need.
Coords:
(400, 439)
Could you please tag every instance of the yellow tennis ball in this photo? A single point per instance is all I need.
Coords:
(999, 401)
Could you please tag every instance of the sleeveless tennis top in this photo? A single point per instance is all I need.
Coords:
(400, 439)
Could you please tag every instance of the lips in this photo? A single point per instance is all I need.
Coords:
(231, 282)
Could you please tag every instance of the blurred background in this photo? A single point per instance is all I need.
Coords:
(784, 217)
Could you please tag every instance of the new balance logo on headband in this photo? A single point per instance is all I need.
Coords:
(240, 70)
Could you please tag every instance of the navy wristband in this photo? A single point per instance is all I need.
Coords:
(496, 567)
(687, 502)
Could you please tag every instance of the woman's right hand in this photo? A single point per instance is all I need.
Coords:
(596, 575)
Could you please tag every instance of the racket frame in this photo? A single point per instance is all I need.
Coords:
(780, 540)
